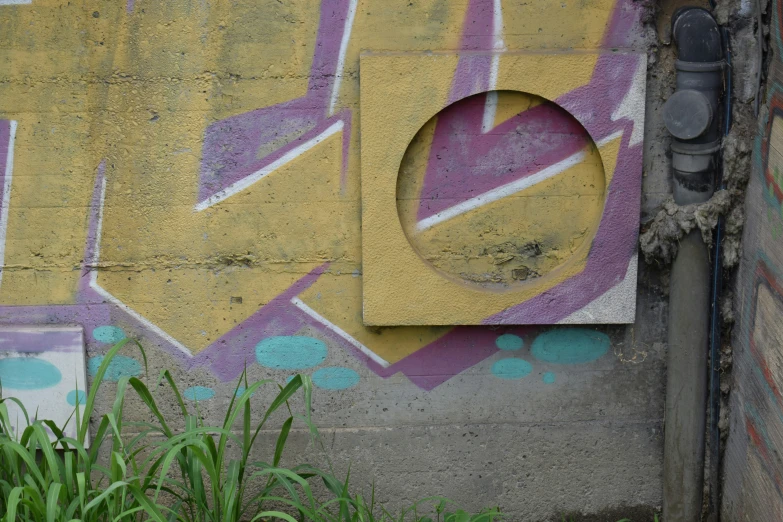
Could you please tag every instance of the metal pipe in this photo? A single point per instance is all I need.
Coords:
(692, 113)
(692, 116)
(686, 382)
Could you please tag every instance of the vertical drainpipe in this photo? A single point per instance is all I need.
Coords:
(692, 116)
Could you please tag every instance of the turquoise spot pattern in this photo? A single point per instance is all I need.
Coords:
(292, 352)
(511, 368)
(335, 378)
(108, 334)
(28, 373)
(509, 342)
(199, 393)
(242, 390)
(74, 396)
(570, 346)
(120, 366)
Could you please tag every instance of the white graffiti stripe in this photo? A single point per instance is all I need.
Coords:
(616, 305)
(632, 106)
(497, 26)
(491, 105)
(605, 141)
(247, 181)
(498, 45)
(501, 192)
(9, 170)
(96, 250)
(338, 74)
(339, 331)
(15, 2)
(106, 294)
(510, 188)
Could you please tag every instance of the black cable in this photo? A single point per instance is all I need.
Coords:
(715, 324)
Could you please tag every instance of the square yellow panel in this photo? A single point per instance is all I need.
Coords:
(448, 240)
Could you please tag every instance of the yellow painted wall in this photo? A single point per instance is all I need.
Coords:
(137, 85)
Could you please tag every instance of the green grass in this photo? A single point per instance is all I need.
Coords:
(180, 470)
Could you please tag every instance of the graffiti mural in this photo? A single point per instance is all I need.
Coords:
(221, 214)
(43, 366)
(556, 205)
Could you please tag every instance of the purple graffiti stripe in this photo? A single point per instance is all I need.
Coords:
(473, 70)
(89, 312)
(615, 241)
(227, 356)
(5, 142)
(37, 339)
(625, 28)
(477, 27)
(460, 348)
(87, 316)
(234, 351)
(612, 249)
(85, 294)
(593, 105)
(464, 163)
(231, 146)
(240, 145)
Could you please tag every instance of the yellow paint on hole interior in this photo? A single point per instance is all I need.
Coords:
(535, 230)
(609, 152)
(410, 181)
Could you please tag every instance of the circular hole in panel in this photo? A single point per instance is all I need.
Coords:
(499, 189)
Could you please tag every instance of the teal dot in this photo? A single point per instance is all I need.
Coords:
(199, 393)
(509, 342)
(292, 352)
(511, 368)
(289, 378)
(74, 396)
(120, 366)
(570, 346)
(28, 373)
(241, 390)
(108, 334)
(335, 378)
(549, 377)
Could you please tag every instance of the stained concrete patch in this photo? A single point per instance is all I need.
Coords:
(633, 513)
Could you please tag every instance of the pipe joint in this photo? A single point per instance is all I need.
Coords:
(692, 114)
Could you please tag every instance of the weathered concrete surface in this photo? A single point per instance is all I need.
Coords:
(752, 466)
(137, 126)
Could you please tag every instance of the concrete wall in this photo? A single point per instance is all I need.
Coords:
(753, 467)
(188, 173)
